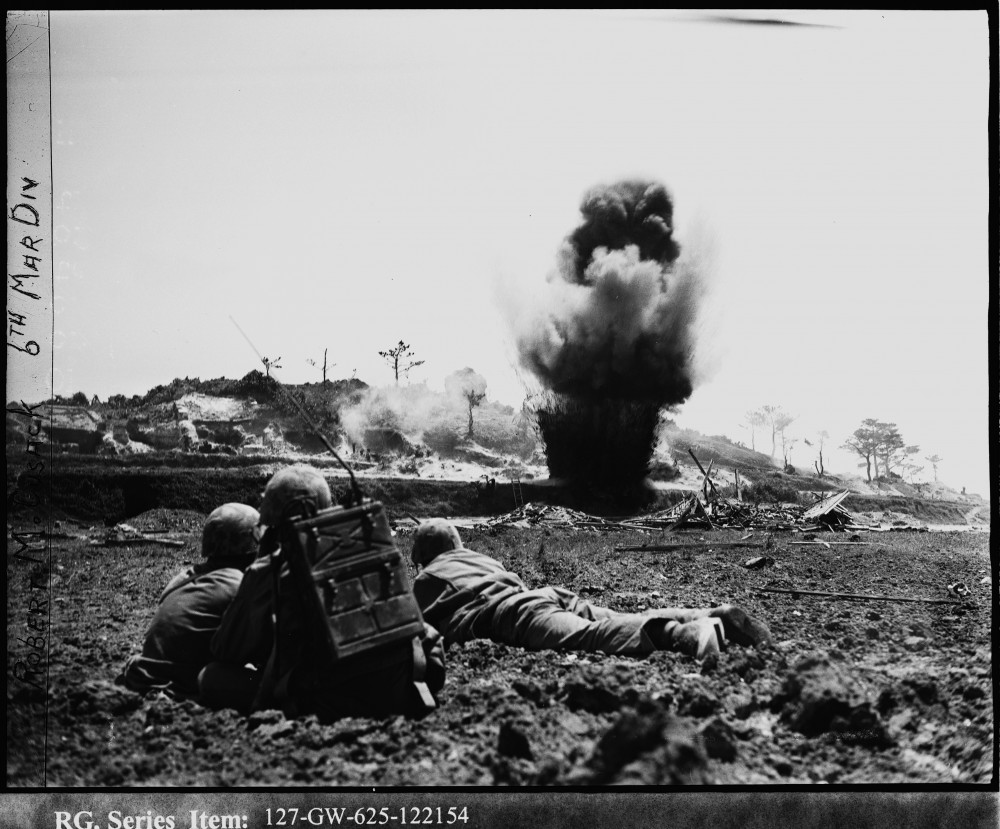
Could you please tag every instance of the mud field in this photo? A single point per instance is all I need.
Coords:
(853, 692)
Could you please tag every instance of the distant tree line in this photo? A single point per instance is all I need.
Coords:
(879, 444)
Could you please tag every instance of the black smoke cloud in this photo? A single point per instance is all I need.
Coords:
(616, 318)
(628, 213)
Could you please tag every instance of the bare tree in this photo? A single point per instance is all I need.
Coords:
(778, 419)
(754, 419)
(934, 460)
(471, 387)
(398, 358)
(818, 463)
(269, 364)
(314, 364)
(786, 450)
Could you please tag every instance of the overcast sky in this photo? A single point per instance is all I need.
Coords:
(344, 180)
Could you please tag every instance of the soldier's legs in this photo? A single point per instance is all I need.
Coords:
(586, 610)
(739, 626)
(554, 619)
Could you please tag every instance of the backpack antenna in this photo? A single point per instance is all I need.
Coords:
(355, 489)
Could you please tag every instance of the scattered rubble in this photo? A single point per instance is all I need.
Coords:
(533, 515)
(124, 535)
(718, 513)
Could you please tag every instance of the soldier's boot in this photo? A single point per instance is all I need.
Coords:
(700, 638)
(739, 626)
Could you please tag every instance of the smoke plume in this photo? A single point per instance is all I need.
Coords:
(612, 339)
(618, 312)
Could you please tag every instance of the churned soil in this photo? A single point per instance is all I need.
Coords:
(853, 692)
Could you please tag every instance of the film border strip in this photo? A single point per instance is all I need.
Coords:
(30, 312)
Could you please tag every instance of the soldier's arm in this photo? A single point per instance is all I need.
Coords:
(244, 635)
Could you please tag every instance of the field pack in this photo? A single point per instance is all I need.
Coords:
(349, 636)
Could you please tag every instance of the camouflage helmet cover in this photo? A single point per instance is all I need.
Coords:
(230, 531)
(290, 484)
(433, 537)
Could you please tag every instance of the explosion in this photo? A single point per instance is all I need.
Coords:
(613, 340)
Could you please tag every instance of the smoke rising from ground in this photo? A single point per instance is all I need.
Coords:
(611, 337)
(436, 420)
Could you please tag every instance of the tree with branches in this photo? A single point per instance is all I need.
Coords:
(778, 419)
(864, 442)
(399, 358)
(269, 364)
(893, 449)
(879, 443)
(471, 387)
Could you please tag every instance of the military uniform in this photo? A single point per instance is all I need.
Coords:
(246, 638)
(242, 648)
(469, 595)
(177, 643)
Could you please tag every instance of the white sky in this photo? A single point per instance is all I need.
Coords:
(345, 180)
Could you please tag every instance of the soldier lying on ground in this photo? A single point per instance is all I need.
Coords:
(242, 648)
(469, 595)
(177, 643)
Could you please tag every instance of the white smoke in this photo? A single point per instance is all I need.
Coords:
(625, 330)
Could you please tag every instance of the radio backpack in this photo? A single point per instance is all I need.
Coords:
(349, 637)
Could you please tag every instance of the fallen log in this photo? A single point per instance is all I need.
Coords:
(858, 596)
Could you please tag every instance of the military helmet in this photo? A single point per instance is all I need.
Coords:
(294, 483)
(230, 531)
(433, 537)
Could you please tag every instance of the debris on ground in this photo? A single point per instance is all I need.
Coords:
(795, 592)
(533, 515)
(708, 509)
(126, 535)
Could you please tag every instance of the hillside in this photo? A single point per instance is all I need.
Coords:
(115, 456)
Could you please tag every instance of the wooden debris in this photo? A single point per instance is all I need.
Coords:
(827, 511)
(128, 542)
(827, 543)
(703, 472)
(854, 596)
(125, 535)
(681, 545)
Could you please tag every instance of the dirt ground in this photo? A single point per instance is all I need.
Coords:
(853, 692)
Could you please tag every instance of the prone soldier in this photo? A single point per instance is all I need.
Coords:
(469, 595)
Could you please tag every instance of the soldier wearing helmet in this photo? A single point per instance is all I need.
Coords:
(246, 635)
(191, 606)
(468, 595)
